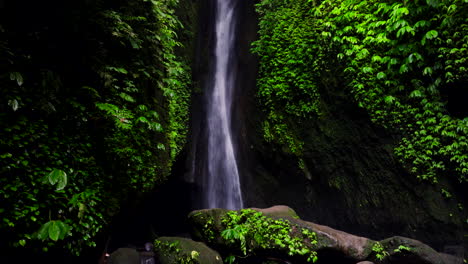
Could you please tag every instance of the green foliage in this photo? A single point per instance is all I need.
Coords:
(286, 88)
(247, 229)
(379, 251)
(90, 121)
(401, 249)
(395, 59)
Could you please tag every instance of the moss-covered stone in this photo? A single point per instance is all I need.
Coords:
(206, 224)
(179, 250)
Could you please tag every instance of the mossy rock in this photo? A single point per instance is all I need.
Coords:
(414, 251)
(328, 243)
(206, 225)
(179, 250)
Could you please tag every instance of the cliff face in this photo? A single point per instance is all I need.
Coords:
(352, 182)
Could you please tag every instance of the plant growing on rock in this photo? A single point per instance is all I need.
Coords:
(250, 230)
(379, 250)
(173, 249)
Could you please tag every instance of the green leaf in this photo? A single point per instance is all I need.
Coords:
(58, 177)
(415, 94)
(143, 119)
(143, 107)
(16, 76)
(431, 34)
(54, 230)
(54, 176)
(389, 99)
(421, 23)
(367, 69)
(121, 70)
(161, 146)
(230, 259)
(13, 104)
(156, 126)
(127, 97)
(134, 44)
(64, 229)
(427, 71)
(43, 232)
(376, 58)
(62, 182)
(403, 68)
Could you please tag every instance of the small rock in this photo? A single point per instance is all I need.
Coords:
(124, 256)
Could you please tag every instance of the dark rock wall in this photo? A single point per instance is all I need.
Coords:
(353, 182)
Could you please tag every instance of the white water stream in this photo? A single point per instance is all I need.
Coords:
(222, 188)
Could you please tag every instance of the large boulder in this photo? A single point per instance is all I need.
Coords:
(278, 232)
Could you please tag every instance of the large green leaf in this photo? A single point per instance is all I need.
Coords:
(54, 230)
(58, 177)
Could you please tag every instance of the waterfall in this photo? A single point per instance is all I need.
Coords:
(221, 183)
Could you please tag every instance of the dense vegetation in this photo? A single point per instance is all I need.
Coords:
(94, 108)
(404, 62)
(95, 94)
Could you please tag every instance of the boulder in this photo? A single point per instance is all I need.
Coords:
(296, 244)
(175, 250)
(280, 211)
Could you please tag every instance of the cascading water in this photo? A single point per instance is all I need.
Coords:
(221, 184)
